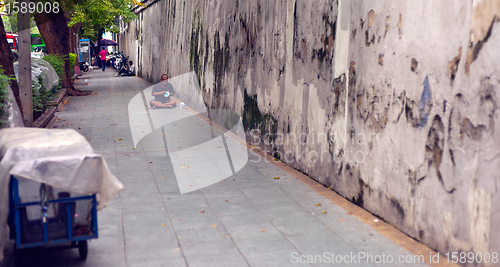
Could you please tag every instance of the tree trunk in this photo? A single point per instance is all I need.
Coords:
(6, 62)
(55, 33)
(73, 32)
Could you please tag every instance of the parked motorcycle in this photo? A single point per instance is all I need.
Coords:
(84, 66)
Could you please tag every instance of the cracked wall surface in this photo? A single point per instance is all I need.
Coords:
(392, 104)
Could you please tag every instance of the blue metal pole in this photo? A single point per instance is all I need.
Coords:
(70, 220)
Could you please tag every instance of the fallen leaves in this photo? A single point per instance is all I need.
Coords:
(214, 225)
(262, 230)
(227, 200)
(317, 204)
(349, 213)
(276, 178)
(202, 211)
(341, 221)
(324, 212)
(163, 225)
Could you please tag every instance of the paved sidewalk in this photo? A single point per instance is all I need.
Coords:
(248, 219)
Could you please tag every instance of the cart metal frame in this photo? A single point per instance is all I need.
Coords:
(14, 216)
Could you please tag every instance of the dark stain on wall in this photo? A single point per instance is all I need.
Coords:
(221, 59)
(435, 144)
(414, 64)
(358, 200)
(481, 43)
(254, 119)
(400, 210)
(474, 49)
(368, 41)
(434, 149)
(196, 31)
(468, 129)
(453, 66)
(417, 115)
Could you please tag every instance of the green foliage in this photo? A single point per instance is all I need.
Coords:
(41, 97)
(10, 23)
(99, 14)
(57, 63)
(72, 59)
(4, 100)
(72, 62)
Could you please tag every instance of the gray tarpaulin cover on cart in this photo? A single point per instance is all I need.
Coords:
(61, 158)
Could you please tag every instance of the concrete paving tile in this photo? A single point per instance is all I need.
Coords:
(243, 219)
(147, 199)
(167, 262)
(294, 228)
(145, 216)
(133, 207)
(229, 260)
(235, 209)
(196, 248)
(187, 210)
(253, 230)
(271, 208)
(201, 222)
(275, 258)
(148, 255)
(313, 244)
(297, 216)
(262, 244)
(205, 233)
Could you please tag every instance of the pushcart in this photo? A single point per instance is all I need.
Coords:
(51, 185)
(56, 232)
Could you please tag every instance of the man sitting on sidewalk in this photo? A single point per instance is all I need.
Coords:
(162, 92)
(127, 72)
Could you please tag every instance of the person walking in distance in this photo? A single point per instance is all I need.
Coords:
(103, 54)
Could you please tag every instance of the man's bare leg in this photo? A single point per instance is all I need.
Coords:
(158, 104)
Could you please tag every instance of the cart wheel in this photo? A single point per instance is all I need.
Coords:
(17, 256)
(83, 249)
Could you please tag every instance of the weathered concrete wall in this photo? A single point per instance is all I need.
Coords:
(393, 104)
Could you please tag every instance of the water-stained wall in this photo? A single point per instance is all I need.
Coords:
(393, 104)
